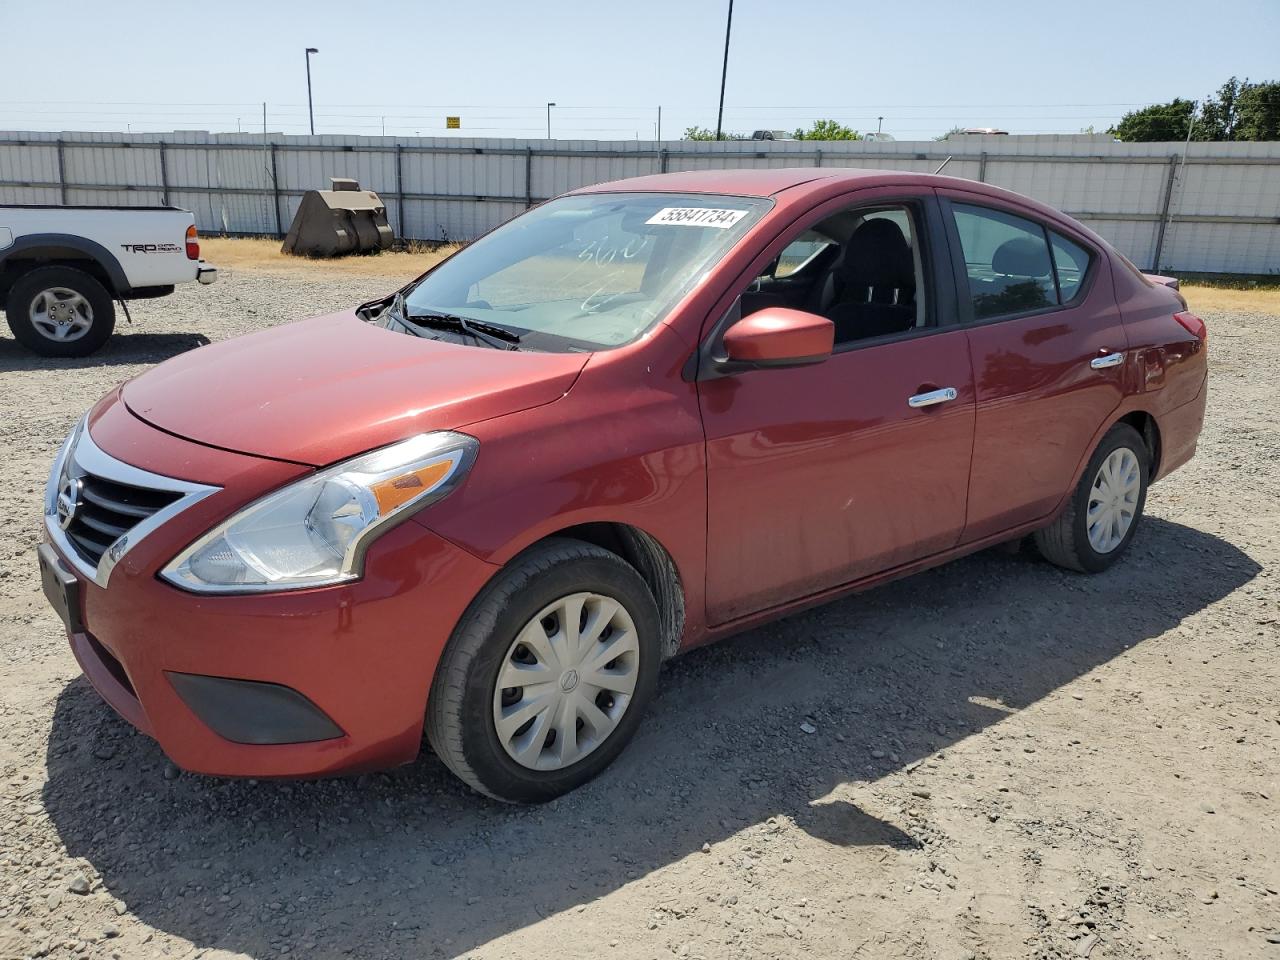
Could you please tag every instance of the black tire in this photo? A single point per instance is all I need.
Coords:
(31, 284)
(1065, 542)
(460, 723)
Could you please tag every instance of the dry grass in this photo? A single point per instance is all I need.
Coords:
(264, 256)
(1219, 298)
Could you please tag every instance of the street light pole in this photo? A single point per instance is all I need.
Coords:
(724, 72)
(549, 106)
(310, 112)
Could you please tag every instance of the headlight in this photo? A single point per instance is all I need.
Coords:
(314, 532)
(61, 467)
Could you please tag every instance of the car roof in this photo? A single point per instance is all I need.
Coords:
(739, 183)
(769, 182)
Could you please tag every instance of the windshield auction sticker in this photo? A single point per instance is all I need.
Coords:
(697, 217)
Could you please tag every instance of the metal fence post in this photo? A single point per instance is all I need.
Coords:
(164, 177)
(665, 157)
(275, 192)
(528, 177)
(1169, 179)
(817, 158)
(62, 172)
(982, 167)
(399, 191)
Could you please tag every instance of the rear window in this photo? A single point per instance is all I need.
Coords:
(1072, 263)
(1007, 262)
(1015, 265)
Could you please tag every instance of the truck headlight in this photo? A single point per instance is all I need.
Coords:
(314, 532)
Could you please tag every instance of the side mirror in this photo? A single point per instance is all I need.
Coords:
(777, 337)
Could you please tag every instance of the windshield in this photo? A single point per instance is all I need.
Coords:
(586, 272)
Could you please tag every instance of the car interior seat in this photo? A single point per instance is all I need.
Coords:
(875, 283)
(1023, 279)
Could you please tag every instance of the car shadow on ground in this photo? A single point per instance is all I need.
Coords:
(410, 863)
(122, 349)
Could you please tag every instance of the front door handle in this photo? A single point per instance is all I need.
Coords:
(932, 397)
(1109, 360)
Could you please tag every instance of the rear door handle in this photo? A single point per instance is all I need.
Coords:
(1110, 360)
(932, 397)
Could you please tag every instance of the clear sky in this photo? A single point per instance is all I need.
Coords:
(1021, 65)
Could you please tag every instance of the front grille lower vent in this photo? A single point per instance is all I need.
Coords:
(106, 510)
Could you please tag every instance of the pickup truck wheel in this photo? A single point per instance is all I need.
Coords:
(547, 675)
(60, 312)
(1099, 522)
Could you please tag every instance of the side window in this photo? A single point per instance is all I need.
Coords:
(799, 253)
(884, 249)
(861, 268)
(1007, 261)
(1072, 263)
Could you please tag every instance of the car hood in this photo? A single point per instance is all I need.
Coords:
(320, 390)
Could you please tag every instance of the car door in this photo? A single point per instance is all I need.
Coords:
(820, 475)
(1048, 350)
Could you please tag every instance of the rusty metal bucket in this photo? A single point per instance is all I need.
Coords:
(339, 221)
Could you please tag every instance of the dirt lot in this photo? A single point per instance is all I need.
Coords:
(995, 759)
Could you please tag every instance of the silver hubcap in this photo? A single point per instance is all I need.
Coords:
(566, 681)
(1113, 501)
(61, 314)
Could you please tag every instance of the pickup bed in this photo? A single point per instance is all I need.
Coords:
(63, 268)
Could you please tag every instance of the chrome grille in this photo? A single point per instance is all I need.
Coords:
(98, 508)
(106, 510)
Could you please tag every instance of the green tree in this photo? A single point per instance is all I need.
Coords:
(827, 130)
(1240, 110)
(1160, 121)
(705, 133)
(1259, 112)
(1219, 115)
(943, 136)
(1244, 111)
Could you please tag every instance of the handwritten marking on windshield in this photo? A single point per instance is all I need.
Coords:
(603, 254)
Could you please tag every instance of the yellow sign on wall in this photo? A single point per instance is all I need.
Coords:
(453, 123)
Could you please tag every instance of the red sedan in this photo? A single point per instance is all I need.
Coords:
(637, 418)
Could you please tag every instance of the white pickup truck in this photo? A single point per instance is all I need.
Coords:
(61, 268)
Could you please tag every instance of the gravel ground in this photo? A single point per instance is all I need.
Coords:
(993, 759)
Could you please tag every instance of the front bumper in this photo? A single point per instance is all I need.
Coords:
(361, 654)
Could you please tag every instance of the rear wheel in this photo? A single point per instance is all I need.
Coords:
(60, 312)
(547, 675)
(1099, 523)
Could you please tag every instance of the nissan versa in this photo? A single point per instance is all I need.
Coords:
(635, 419)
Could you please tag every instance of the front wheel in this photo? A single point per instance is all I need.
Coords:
(547, 675)
(60, 312)
(1099, 522)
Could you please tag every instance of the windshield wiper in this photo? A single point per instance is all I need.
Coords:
(497, 337)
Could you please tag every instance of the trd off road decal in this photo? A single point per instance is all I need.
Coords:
(150, 248)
